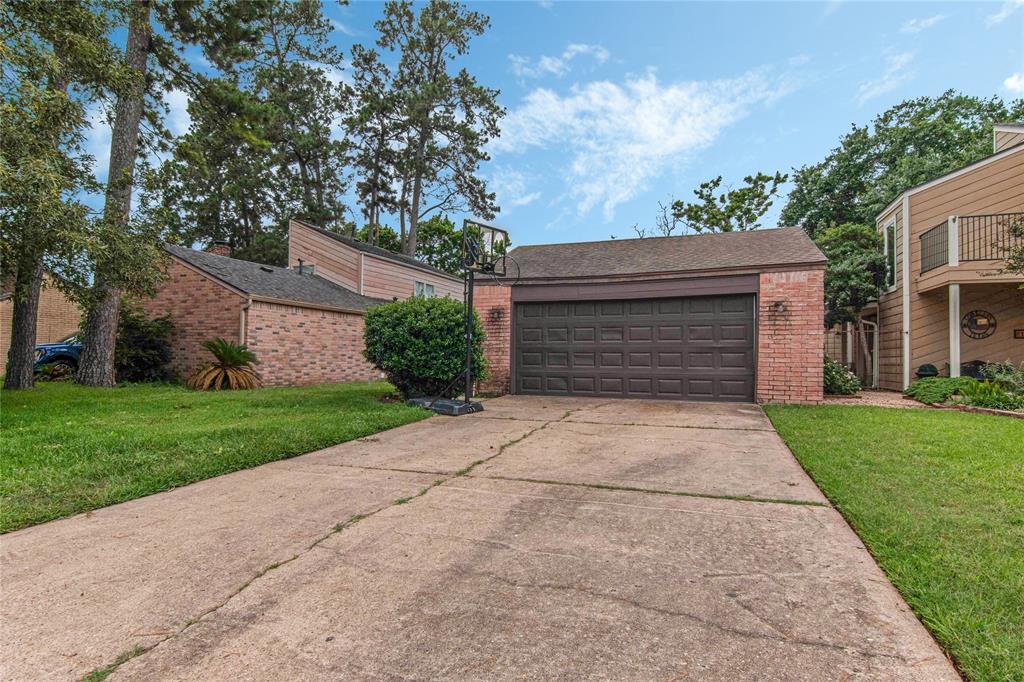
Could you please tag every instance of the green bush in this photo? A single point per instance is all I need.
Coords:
(991, 395)
(937, 389)
(420, 345)
(838, 379)
(142, 351)
(1004, 373)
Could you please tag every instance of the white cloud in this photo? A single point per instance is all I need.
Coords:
(557, 65)
(342, 28)
(178, 118)
(618, 137)
(1008, 8)
(918, 25)
(897, 72)
(1015, 83)
(511, 188)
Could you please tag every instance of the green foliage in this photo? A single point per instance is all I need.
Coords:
(143, 348)
(990, 394)
(734, 210)
(910, 143)
(934, 390)
(1004, 373)
(855, 271)
(232, 368)
(420, 345)
(839, 380)
(1015, 252)
(444, 118)
(380, 235)
(440, 244)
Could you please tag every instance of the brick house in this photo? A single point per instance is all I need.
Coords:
(305, 323)
(58, 316)
(733, 317)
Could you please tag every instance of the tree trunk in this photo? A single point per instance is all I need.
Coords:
(409, 246)
(21, 356)
(96, 367)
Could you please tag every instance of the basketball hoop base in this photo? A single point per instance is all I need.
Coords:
(447, 406)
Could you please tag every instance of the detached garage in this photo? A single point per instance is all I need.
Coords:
(724, 317)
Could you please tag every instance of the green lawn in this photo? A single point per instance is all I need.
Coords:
(67, 449)
(938, 497)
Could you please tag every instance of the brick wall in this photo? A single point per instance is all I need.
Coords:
(200, 309)
(494, 306)
(300, 346)
(58, 317)
(790, 342)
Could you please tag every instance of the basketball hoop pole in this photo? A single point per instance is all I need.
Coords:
(469, 335)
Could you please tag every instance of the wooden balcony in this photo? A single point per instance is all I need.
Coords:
(968, 249)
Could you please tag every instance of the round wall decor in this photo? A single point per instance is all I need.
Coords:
(978, 324)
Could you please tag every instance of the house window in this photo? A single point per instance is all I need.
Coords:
(424, 290)
(890, 256)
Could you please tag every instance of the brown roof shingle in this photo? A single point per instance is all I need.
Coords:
(658, 255)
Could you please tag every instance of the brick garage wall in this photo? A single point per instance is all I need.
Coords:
(300, 346)
(790, 343)
(494, 306)
(200, 309)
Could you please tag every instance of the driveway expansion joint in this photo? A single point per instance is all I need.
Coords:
(138, 650)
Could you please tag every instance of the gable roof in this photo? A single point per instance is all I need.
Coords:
(664, 255)
(378, 251)
(267, 282)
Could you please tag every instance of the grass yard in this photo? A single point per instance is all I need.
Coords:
(938, 497)
(66, 449)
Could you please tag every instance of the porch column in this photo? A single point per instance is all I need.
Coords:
(954, 330)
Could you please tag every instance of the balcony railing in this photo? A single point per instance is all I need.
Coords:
(935, 247)
(977, 237)
(988, 237)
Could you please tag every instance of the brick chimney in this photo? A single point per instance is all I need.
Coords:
(219, 248)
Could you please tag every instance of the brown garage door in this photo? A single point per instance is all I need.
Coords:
(698, 348)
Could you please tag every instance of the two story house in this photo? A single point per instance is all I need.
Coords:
(305, 321)
(948, 300)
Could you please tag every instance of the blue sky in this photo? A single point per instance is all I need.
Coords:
(613, 106)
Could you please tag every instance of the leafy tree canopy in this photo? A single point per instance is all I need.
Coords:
(855, 271)
(911, 143)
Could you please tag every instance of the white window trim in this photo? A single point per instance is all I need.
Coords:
(895, 255)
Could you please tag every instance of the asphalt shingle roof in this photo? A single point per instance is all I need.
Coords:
(273, 282)
(376, 250)
(728, 250)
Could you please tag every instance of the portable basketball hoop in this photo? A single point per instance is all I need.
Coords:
(483, 251)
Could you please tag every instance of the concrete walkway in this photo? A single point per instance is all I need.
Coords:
(542, 538)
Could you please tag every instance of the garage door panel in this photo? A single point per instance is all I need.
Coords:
(683, 348)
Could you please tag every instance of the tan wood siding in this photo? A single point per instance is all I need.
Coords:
(1004, 301)
(383, 278)
(1005, 139)
(890, 319)
(334, 261)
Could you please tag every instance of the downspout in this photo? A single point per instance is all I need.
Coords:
(243, 315)
(362, 261)
(906, 291)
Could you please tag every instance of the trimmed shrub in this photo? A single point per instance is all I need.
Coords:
(142, 351)
(937, 389)
(419, 343)
(839, 380)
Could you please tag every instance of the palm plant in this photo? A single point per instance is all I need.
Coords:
(232, 368)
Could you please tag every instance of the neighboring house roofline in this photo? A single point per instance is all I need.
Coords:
(286, 288)
(974, 165)
(371, 250)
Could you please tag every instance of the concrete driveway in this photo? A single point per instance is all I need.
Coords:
(542, 538)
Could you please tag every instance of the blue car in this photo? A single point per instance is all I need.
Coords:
(62, 356)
